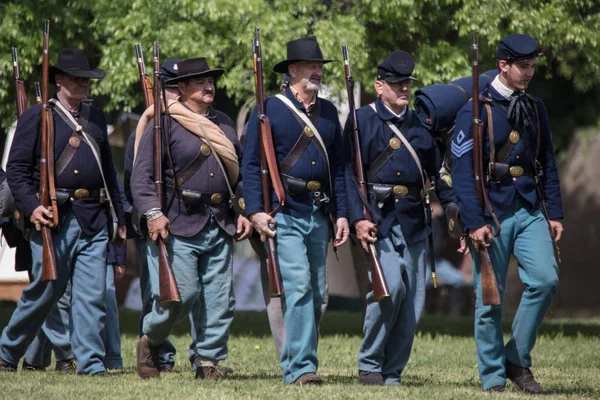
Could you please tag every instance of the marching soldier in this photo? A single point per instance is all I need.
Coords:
(199, 226)
(397, 150)
(81, 238)
(308, 145)
(517, 147)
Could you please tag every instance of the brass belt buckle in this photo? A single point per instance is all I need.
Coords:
(516, 170)
(400, 190)
(82, 193)
(216, 198)
(313, 185)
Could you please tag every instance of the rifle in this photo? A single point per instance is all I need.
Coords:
(20, 95)
(167, 283)
(144, 78)
(380, 288)
(268, 167)
(489, 284)
(49, 270)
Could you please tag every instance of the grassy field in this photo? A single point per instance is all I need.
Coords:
(442, 366)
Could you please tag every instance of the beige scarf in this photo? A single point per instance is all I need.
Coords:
(200, 126)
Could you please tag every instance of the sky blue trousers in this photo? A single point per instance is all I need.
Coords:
(390, 324)
(525, 235)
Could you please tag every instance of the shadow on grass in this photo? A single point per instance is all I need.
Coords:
(255, 324)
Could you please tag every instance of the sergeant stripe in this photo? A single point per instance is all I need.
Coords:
(460, 150)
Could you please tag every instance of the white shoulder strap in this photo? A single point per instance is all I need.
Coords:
(307, 121)
(412, 151)
(93, 145)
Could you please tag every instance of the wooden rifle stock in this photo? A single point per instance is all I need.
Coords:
(49, 270)
(144, 78)
(380, 287)
(268, 167)
(167, 284)
(20, 95)
(489, 284)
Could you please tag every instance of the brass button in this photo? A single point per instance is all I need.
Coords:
(395, 143)
(313, 185)
(514, 179)
(205, 150)
(212, 175)
(397, 201)
(398, 173)
(308, 131)
(314, 163)
(400, 190)
(514, 137)
(518, 157)
(216, 198)
(72, 199)
(74, 142)
(76, 172)
(516, 170)
(242, 203)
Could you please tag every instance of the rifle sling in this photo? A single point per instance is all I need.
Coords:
(189, 170)
(69, 151)
(389, 151)
(303, 141)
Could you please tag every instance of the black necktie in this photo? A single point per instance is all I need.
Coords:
(519, 111)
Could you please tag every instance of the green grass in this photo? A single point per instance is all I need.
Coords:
(442, 366)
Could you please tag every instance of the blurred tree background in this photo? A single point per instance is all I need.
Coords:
(437, 32)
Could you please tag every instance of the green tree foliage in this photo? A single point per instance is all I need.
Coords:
(437, 32)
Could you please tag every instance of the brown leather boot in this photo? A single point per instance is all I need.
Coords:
(6, 367)
(29, 367)
(523, 379)
(147, 359)
(309, 379)
(67, 366)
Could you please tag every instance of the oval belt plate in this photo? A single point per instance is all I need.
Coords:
(395, 143)
(216, 198)
(400, 190)
(82, 193)
(516, 170)
(205, 150)
(242, 203)
(451, 225)
(514, 137)
(313, 185)
(308, 131)
(74, 142)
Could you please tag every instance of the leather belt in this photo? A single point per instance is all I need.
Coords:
(296, 185)
(62, 195)
(381, 191)
(499, 170)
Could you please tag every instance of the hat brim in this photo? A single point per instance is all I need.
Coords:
(76, 72)
(282, 67)
(214, 73)
(395, 79)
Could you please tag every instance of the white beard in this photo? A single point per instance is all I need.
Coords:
(313, 87)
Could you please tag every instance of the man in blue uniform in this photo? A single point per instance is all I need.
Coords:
(199, 224)
(81, 238)
(308, 148)
(389, 131)
(517, 147)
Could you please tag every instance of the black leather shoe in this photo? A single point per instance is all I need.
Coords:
(68, 366)
(29, 367)
(6, 367)
(496, 389)
(370, 378)
(523, 379)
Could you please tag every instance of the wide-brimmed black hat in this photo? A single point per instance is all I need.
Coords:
(303, 49)
(398, 67)
(73, 62)
(194, 67)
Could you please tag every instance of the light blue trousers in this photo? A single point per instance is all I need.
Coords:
(80, 258)
(54, 335)
(167, 351)
(525, 235)
(390, 324)
(112, 333)
(203, 268)
(302, 253)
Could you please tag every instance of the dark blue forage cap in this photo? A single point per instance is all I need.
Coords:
(517, 47)
(397, 67)
(169, 70)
